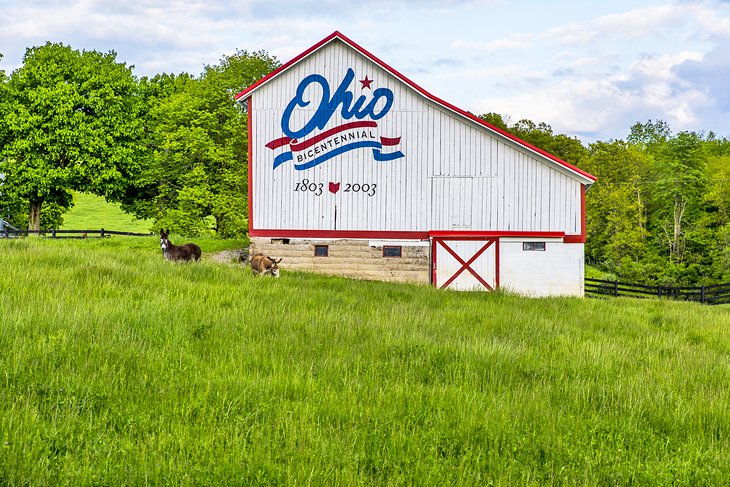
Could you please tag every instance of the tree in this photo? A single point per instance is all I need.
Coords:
(650, 134)
(616, 205)
(541, 135)
(495, 119)
(197, 138)
(72, 124)
(679, 173)
(714, 228)
(3, 105)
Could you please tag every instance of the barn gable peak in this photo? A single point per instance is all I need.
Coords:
(575, 172)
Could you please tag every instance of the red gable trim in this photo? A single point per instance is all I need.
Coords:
(333, 234)
(408, 235)
(247, 92)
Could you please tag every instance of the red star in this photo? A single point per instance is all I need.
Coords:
(366, 82)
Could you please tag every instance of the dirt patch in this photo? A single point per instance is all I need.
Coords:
(229, 256)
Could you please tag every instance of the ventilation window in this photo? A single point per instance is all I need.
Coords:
(321, 250)
(392, 251)
(533, 246)
(284, 241)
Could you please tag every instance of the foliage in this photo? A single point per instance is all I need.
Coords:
(616, 217)
(72, 124)
(660, 210)
(495, 119)
(650, 134)
(122, 369)
(4, 95)
(541, 135)
(679, 176)
(197, 164)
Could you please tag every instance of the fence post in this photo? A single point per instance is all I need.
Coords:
(102, 233)
(615, 289)
(659, 292)
(702, 295)
(53, 233)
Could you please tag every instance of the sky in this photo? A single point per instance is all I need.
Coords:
(588, 69)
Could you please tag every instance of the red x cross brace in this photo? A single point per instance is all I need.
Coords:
(466, 265)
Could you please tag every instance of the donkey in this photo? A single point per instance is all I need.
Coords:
(177, 252)
(261, 264)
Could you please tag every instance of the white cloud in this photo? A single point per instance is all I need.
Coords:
(647, 21)
(653, 21)
(586, 73)
(516, 42)
(571, 34)
(596, 78)
(606, 107)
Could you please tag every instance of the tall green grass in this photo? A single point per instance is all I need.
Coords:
(117, 367)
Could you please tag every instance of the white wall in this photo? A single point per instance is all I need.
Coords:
(556, 271)
(455, 175)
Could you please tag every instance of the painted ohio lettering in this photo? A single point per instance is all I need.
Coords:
(311, 151)
(343, 98)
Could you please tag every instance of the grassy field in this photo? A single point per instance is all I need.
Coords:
(92, 212)
(118, 368)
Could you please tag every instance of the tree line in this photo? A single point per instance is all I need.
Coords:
(659, 212)
(173, 149)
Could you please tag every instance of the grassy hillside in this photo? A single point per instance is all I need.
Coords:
(92, 212)
(117, 367)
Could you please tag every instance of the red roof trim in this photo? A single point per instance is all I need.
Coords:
(337, 35)
(472, 234)
(286, 66)
(406, 235)
(331, 234)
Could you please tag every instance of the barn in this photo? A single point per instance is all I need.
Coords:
(355, 170)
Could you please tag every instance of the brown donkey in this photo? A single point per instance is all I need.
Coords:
(261, 264)
(177, 252)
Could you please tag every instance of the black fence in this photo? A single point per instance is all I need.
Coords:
(717, 294)
(9, 232)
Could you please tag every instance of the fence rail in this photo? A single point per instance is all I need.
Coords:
(715, 294)
(8, 232)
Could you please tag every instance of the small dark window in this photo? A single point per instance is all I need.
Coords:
(284, 241)
(533, 246)
(321, 250)
(392, 251)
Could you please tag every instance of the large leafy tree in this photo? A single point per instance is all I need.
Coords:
(72, 124)
(711, 237)
(197, 166)
(616, 206)
(679, 177)
(3, 104)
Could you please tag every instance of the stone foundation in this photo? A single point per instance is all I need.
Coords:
(358, 259)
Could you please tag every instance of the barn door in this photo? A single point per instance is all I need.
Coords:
(465, 264)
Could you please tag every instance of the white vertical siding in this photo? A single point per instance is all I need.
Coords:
(455, 174)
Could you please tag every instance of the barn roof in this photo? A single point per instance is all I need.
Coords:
(580, 174)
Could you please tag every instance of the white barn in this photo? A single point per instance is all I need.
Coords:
(355, 170)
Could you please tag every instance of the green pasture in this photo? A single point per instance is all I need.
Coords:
(91, 212)
(119, 368)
